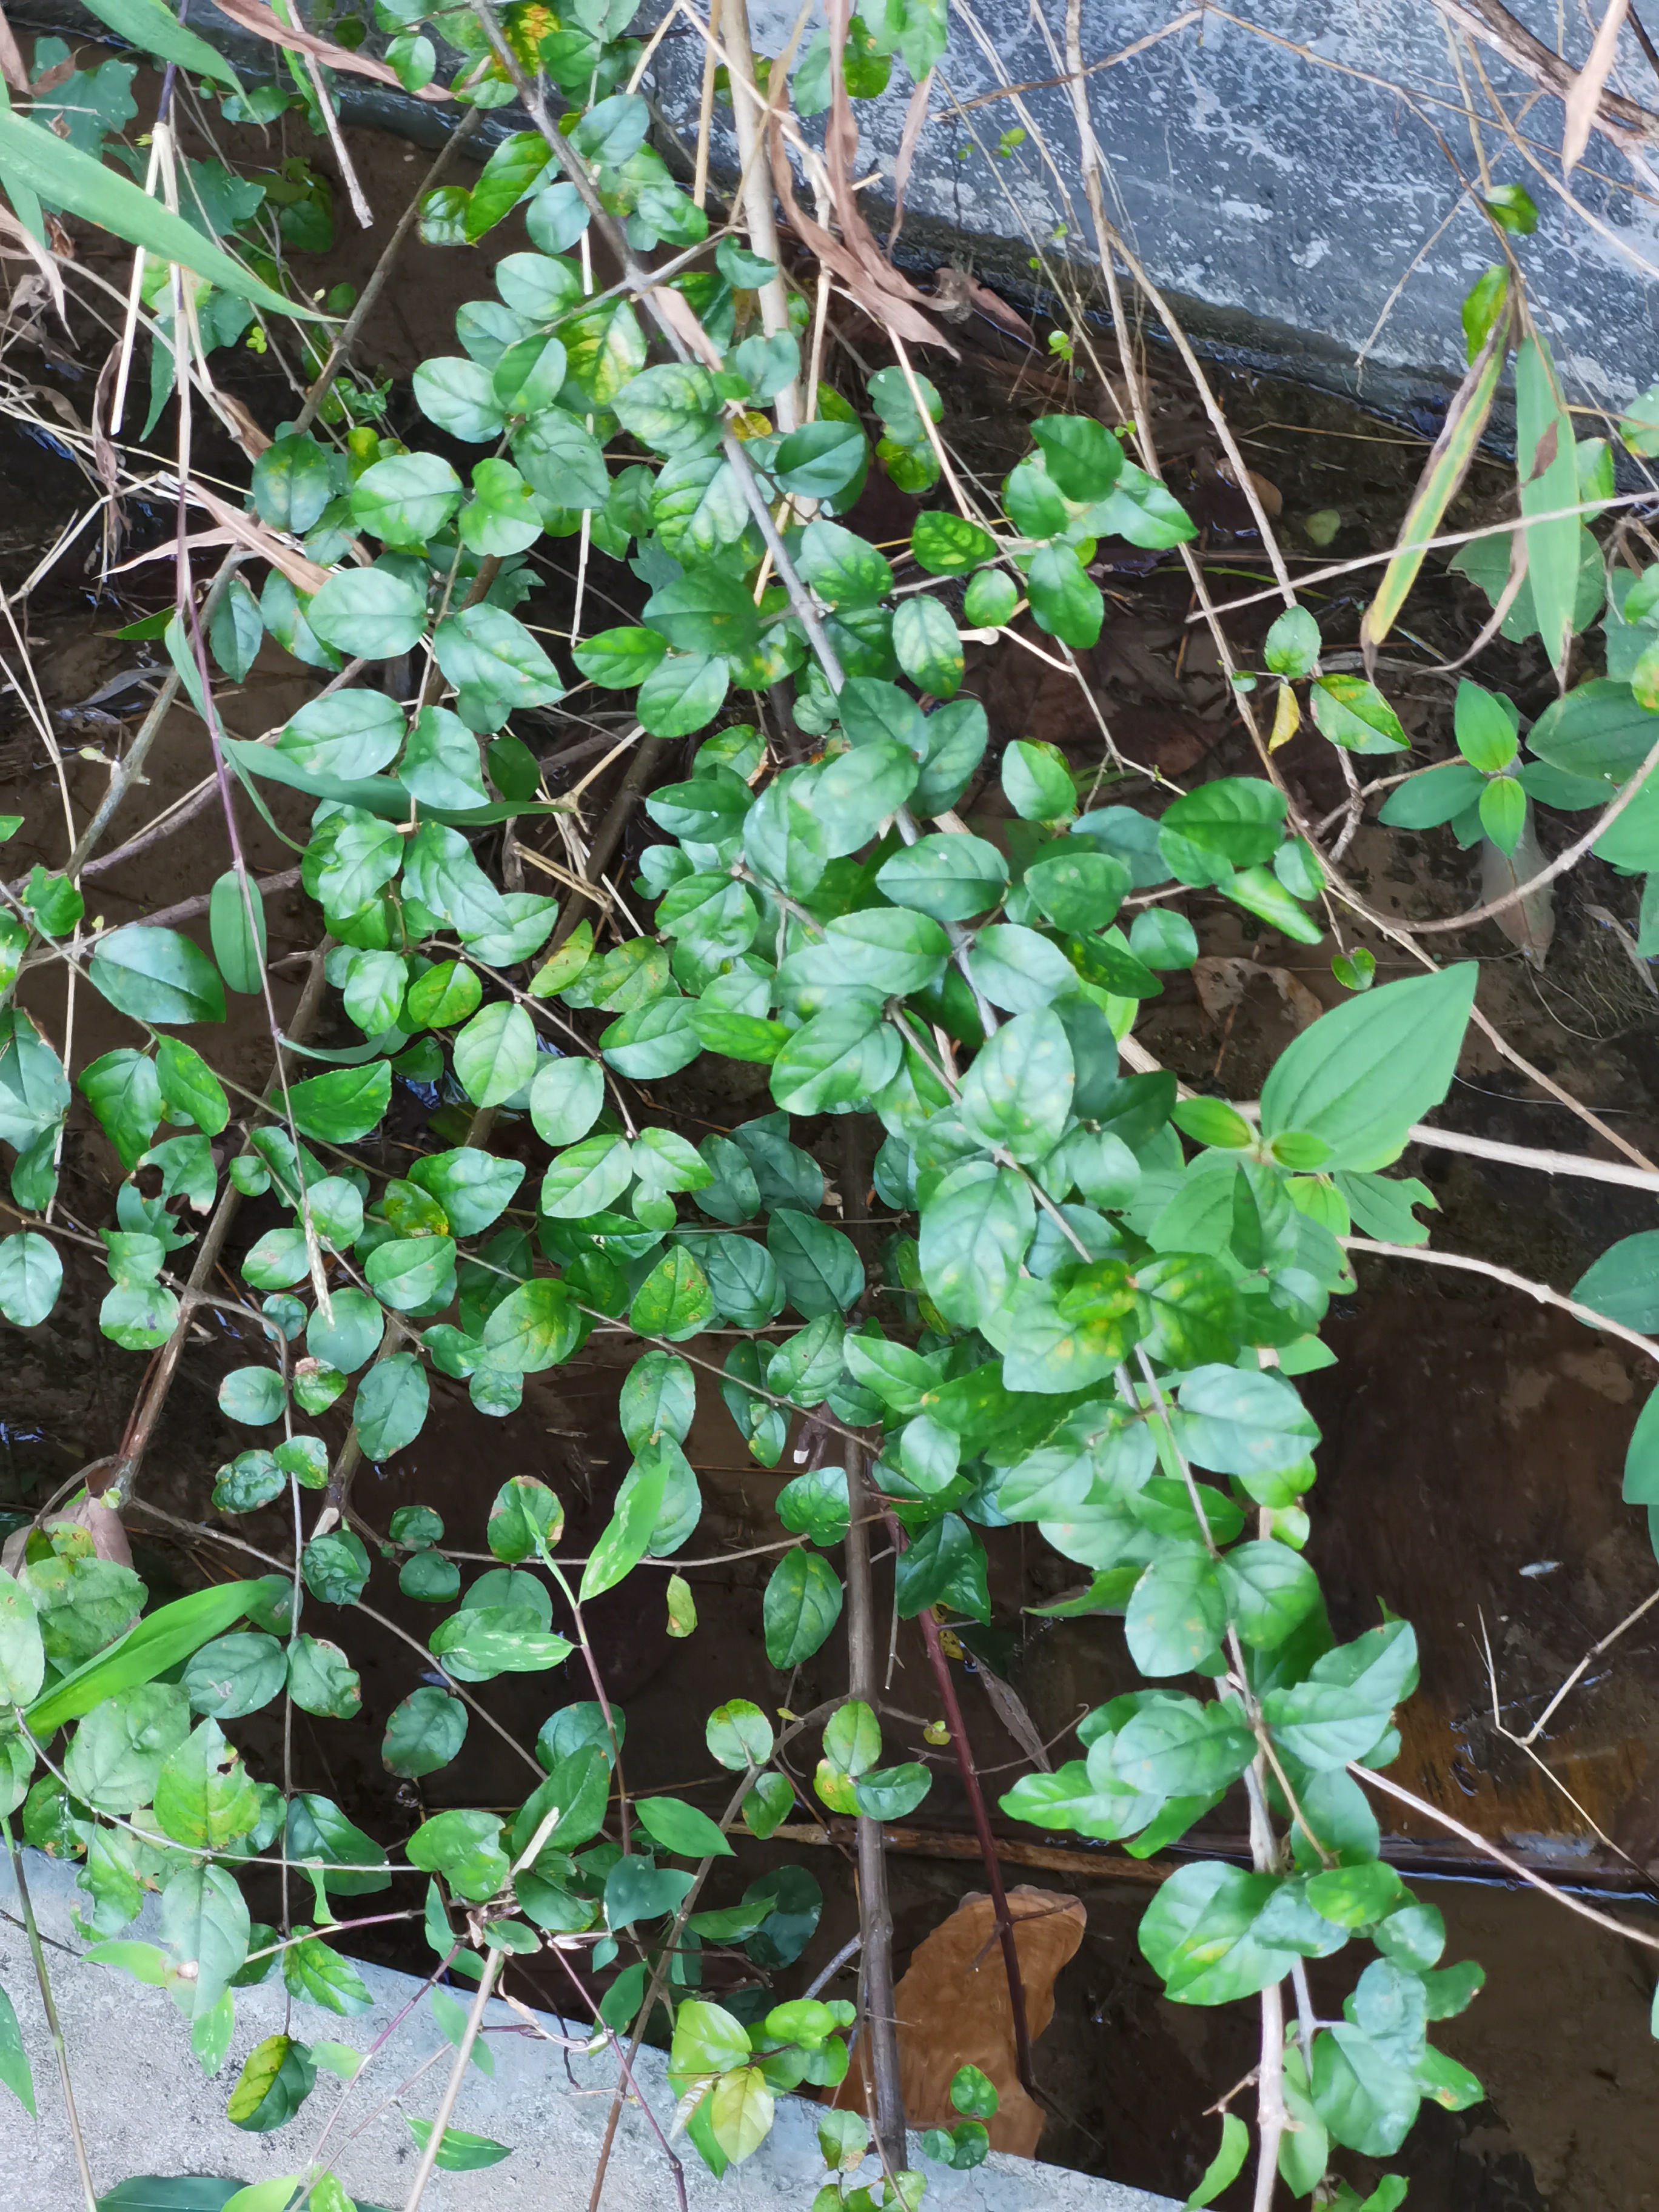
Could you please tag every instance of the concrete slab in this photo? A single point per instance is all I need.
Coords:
(144, 2107)
(1297, 175)
(1280, 168)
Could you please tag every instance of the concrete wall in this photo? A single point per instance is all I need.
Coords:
(1281, 200)
(1280, 174)
(144, 2107)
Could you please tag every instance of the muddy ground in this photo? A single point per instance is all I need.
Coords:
(1469, 1473)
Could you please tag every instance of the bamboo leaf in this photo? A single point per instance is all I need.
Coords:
(66, 178)
(1444, 471)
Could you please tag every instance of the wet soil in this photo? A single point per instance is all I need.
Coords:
(1472, 1442)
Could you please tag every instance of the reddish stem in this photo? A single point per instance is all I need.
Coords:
(988, 1847)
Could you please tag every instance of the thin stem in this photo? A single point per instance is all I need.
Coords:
(1428, 1257)
(876, 2005)
(988, 1848)
(53, 2026)
(1482, 1844)
(493, 1966)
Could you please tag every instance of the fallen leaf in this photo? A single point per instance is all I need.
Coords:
(1585, 97)
(953, 2010)
(1221, 983)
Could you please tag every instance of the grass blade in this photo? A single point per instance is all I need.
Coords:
(1442, 473)
(64, 176)
(158, 1641)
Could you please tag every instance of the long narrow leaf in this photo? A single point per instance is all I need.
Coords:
(66, 178)
(158, 1641)
(1546, 462)
(1442, 473)
(148, 24)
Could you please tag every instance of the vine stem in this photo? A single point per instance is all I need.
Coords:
(54, 2028)
(453, 2087)
(124, 1469)
(1540, 1291)
(988, 1847)
(877, 2005)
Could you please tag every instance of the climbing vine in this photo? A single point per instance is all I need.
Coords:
(1039, 1282)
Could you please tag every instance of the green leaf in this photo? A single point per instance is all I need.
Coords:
(928, 649)
(34, 160)
(1503, 812)
(145, 24)
(1199, 1935)
(1037, 782)
(1365, 2099)
(495, 1053)
(1624, 1284)
(819, 1266)
(321, 1680)
(317, 1975)
(190, 1087)
(1548, 468)
(1175, 1746)
(1292, 644)
(14, 2058)
(1078, 890)
(1017, 1094)
(682, 694)
(975, 1232)
(1437, 795)
(1270, 1591)
(842, 568)
(672, 407)
(1066, 601)
(234, 1674)
(368, 612)
(945, 1564)
(802, 1604)
(155, 975)
(1227, 2164)
(1354, 714)
(707, 2040)
(22, 1655)
(391, 1406)
(1177, 1613)
(839, 1058)
(342, 1106)
(1366, 1073)
(950, 878)
(821, 458)
(526, 1519)
(681, 1828)
(624, 1541)
(816, 1505)
(405, 500)
(169, 1635)
(947, 544)
(674, 1300)
(458, 2152)
(31, 1274)
(1340, 1712)
(739, 1735)
(494, 662)
(204, 1798)
(277, 2075)
(484, 1641)
(424, 1733)
(617, 659)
